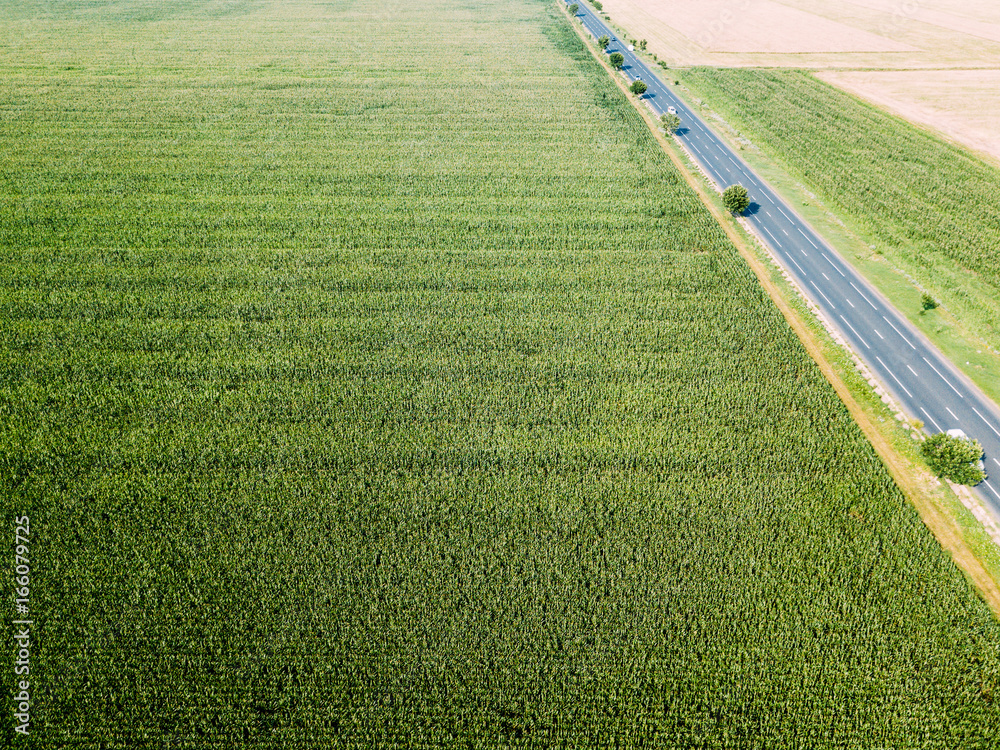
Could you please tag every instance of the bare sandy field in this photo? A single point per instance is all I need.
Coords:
(935, 62)
(762, 27)
(817, 33)
(972, 19)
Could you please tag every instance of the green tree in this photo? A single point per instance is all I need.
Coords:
(617, 59)
(574, 9)
(928, 302)
(638, 87)
(736, 199)
(642, 44)
(956, 458)
(603, 42)
(670, 123)
(597, 5)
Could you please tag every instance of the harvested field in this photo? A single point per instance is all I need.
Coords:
(893, 34)
(764, 27)
(968, 18)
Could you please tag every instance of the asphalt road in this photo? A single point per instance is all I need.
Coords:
(927, 385)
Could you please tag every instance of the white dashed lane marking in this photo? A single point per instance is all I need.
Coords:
(899, 332)
(808, 238)
(824, 296)
(864, 297)
(942, 377)
(834, 265)
(862, 340)
(931, 419)
(894, 377)
(987, 422)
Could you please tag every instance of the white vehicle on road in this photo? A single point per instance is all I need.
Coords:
(671, 110)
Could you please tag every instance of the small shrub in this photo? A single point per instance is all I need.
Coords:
(736, 199)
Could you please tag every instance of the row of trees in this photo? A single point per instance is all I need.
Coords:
(670, 121)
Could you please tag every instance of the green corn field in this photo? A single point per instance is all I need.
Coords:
(373, 380)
